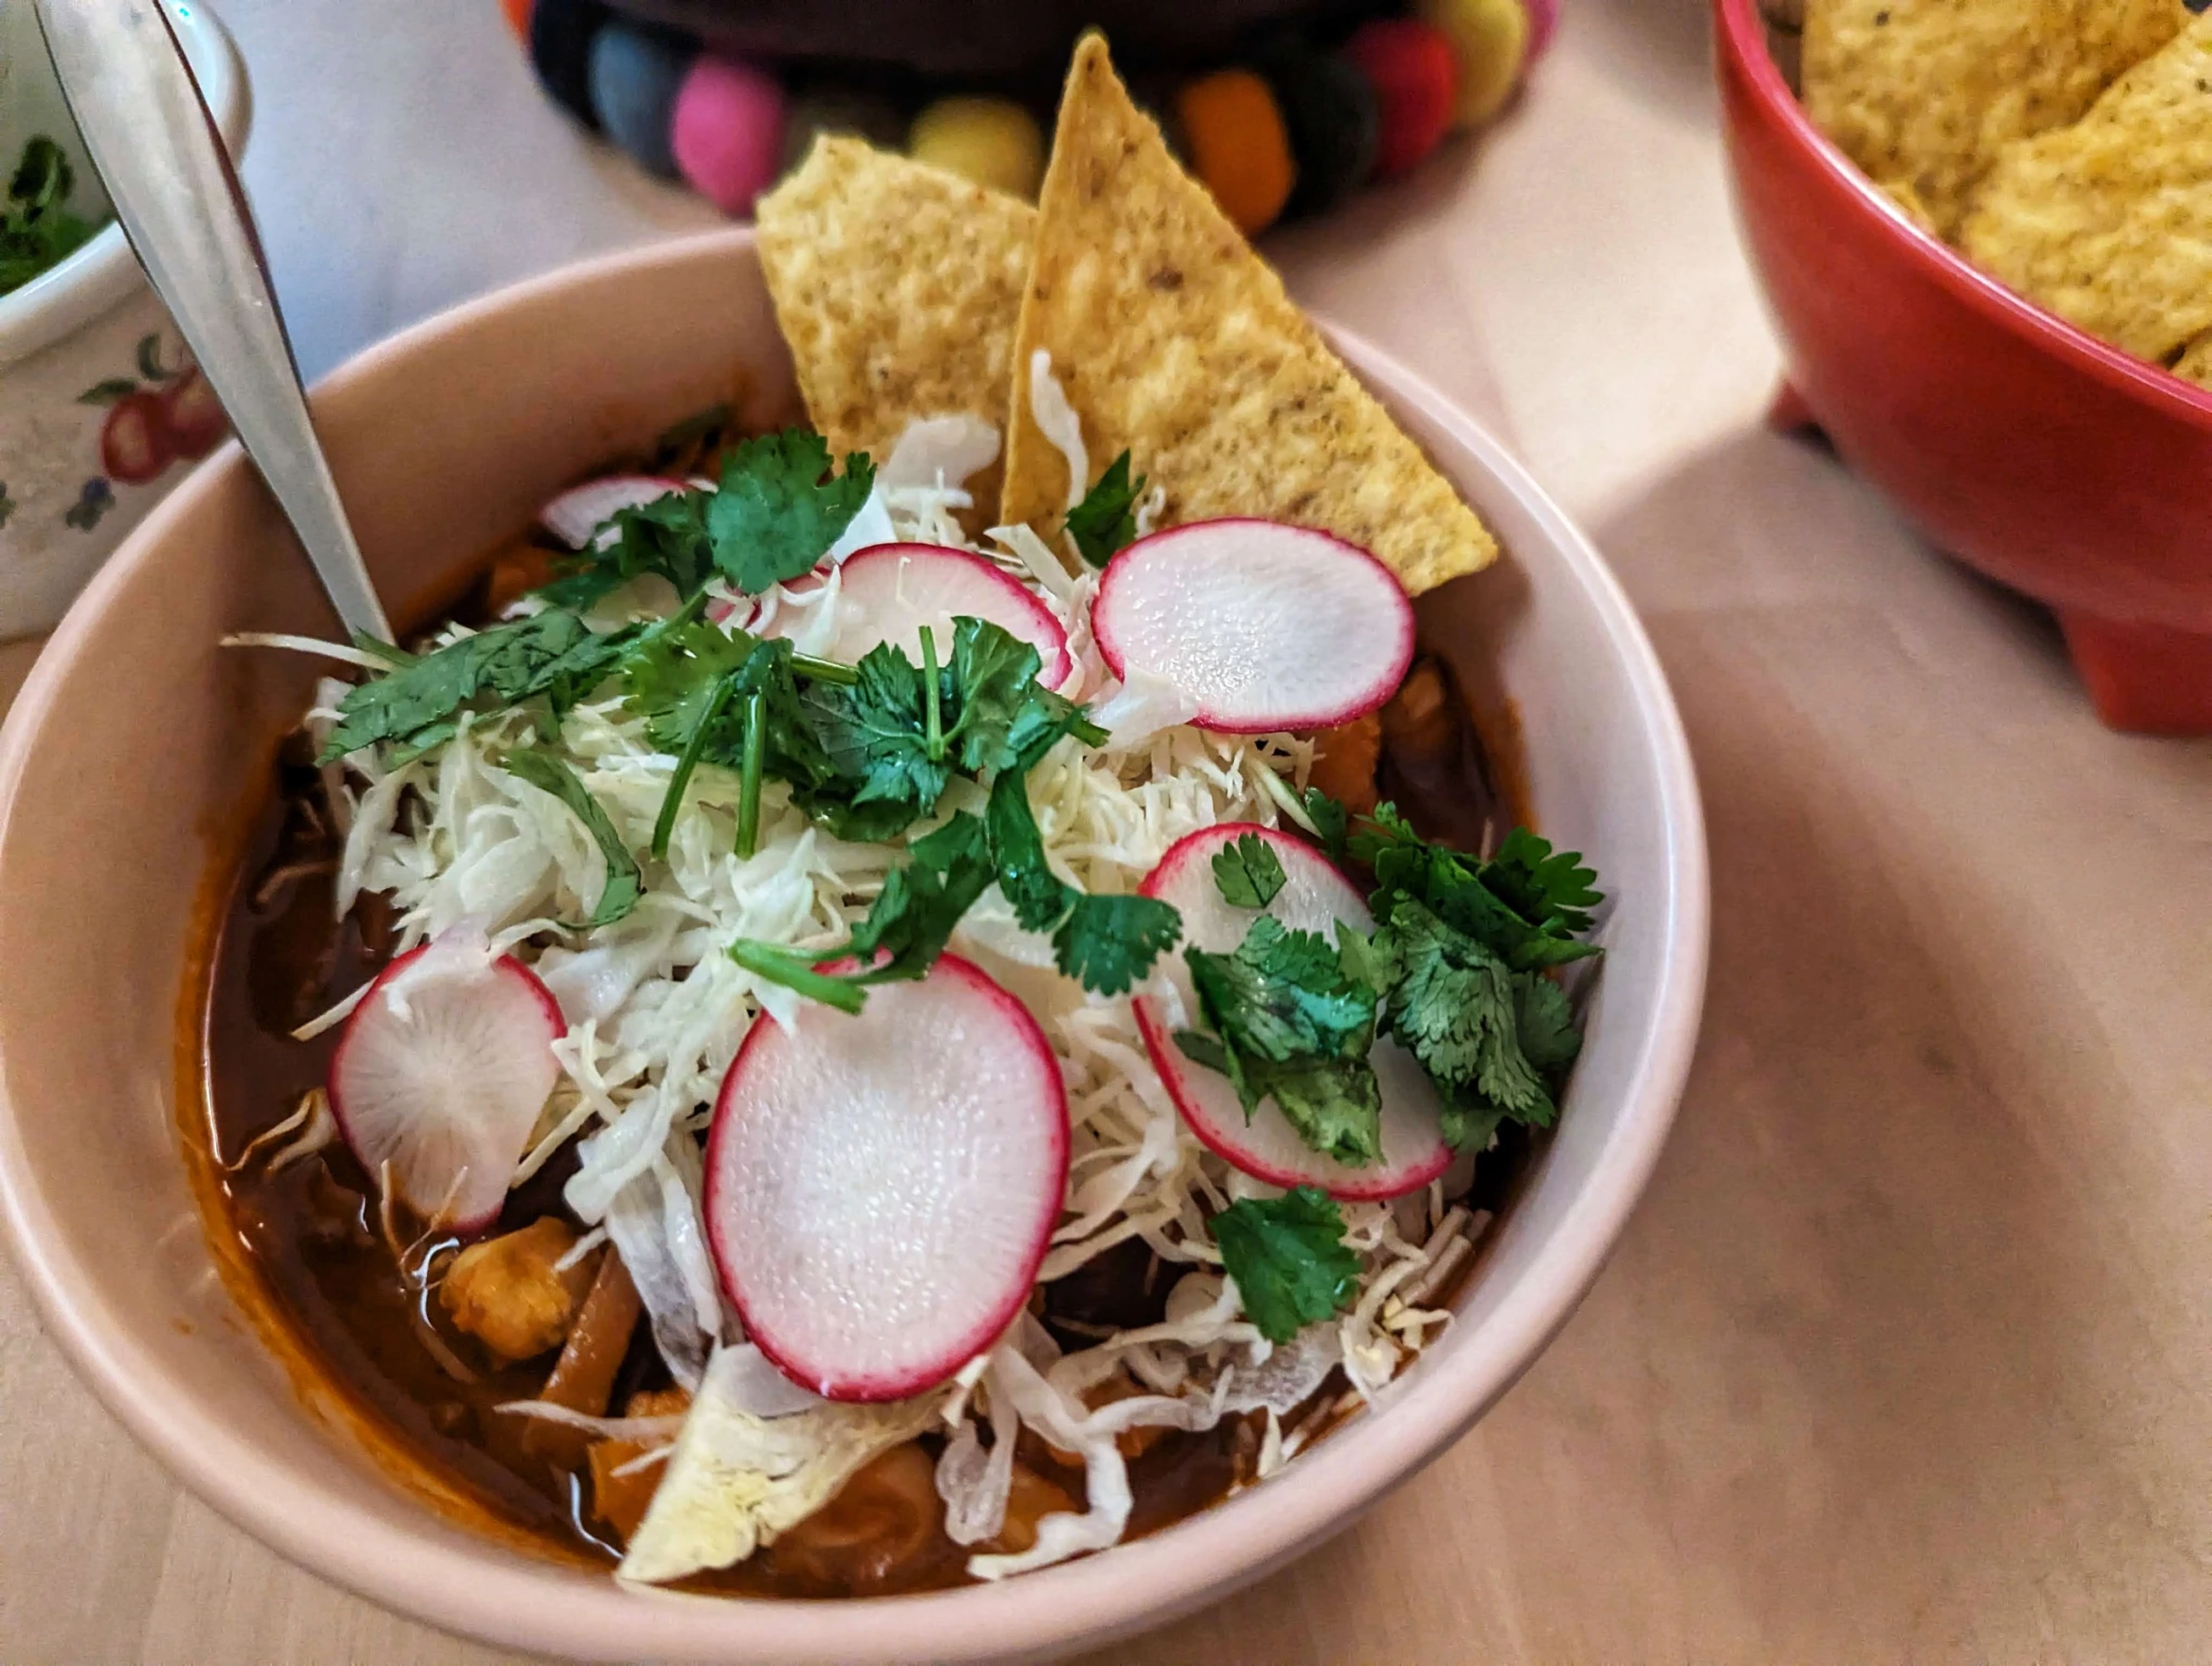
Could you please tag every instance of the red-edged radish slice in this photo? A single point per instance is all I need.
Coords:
(880, 1189)
(441, 1071)
(578, 513)
(1266, 626)
(1315, 897)
(890, 590)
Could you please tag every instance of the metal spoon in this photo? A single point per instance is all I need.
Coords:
(149, 133)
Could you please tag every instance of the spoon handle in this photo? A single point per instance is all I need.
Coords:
(151, 137)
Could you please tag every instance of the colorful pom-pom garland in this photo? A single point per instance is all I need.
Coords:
(1294, 132)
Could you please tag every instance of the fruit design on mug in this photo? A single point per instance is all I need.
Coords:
(162, 415)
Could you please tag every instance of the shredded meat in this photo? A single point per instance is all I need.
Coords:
(881, 1524)
(583, 1378)
(1422, 721)
(1345, 759)
(1031, 1499)
(505, 1292)
(514, 571)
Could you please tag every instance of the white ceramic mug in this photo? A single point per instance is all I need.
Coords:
(101, 409)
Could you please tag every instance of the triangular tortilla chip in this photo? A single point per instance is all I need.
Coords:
(1921, 94)
(2109, 222)
(1176, 342)
(897, 285)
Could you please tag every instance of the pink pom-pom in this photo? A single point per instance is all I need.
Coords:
(726, 132)
(1543, 23)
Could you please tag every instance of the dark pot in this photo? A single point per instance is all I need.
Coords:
(1008, 40)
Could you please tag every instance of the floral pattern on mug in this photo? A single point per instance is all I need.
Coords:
(95, 430)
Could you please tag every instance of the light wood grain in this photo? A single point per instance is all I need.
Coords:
(1905, 1355)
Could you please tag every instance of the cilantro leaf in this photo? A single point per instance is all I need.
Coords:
(777, 511)
(994, 706)
(1106, 519)
(1456, 1007)
(1331, 821)
(1040, 898)
(1525, 906)
(1545, 1023)
(1107, 943)
(545, 771)
(666, 535)
(915, 913)
(1248, 871)
(1295, 1025)
(875, 733)
(36, 232)
(888, 765)
(552, 653)
(1552, 889)
(780, 509)
(672, 677)
(1469, 1121)
(1289, 1258)
(1283, 994)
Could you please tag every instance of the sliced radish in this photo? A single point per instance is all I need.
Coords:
(891, 590)
(1265, 626)
(880, 1189)
(1315, 897)
(576, 514)
(441, 1071)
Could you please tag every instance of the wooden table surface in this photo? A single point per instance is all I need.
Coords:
(1907, 1355)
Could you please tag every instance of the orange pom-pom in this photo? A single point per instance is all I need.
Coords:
(518, 17)
(1239, 146)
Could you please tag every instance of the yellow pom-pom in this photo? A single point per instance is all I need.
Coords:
(1490, 39)
(1239, 146)
(993, 142)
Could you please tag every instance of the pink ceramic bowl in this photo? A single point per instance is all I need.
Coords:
(128, 765)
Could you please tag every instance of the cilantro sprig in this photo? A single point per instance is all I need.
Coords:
(907, 927)
(1106, 519)
(1248, 872)
(1461, 951)
(546, 771)
(553, 654)
(889, 744)
(1289, 1022)
(36, 231)
(1106, 943)
(1526, 904)
(1456, 970)
(776, 511)
(780, 508)
(1289, 1258)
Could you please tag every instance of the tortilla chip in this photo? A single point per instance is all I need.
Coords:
(1900, 191)
(2109, 222)
(2195, 364)
(897, 285)
(1923, 93)
(1174, 341)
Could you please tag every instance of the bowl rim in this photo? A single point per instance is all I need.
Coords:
(1743, 44)
(100, 274)
(484, 1592)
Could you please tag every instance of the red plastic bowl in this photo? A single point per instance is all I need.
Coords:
(2051, 462)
